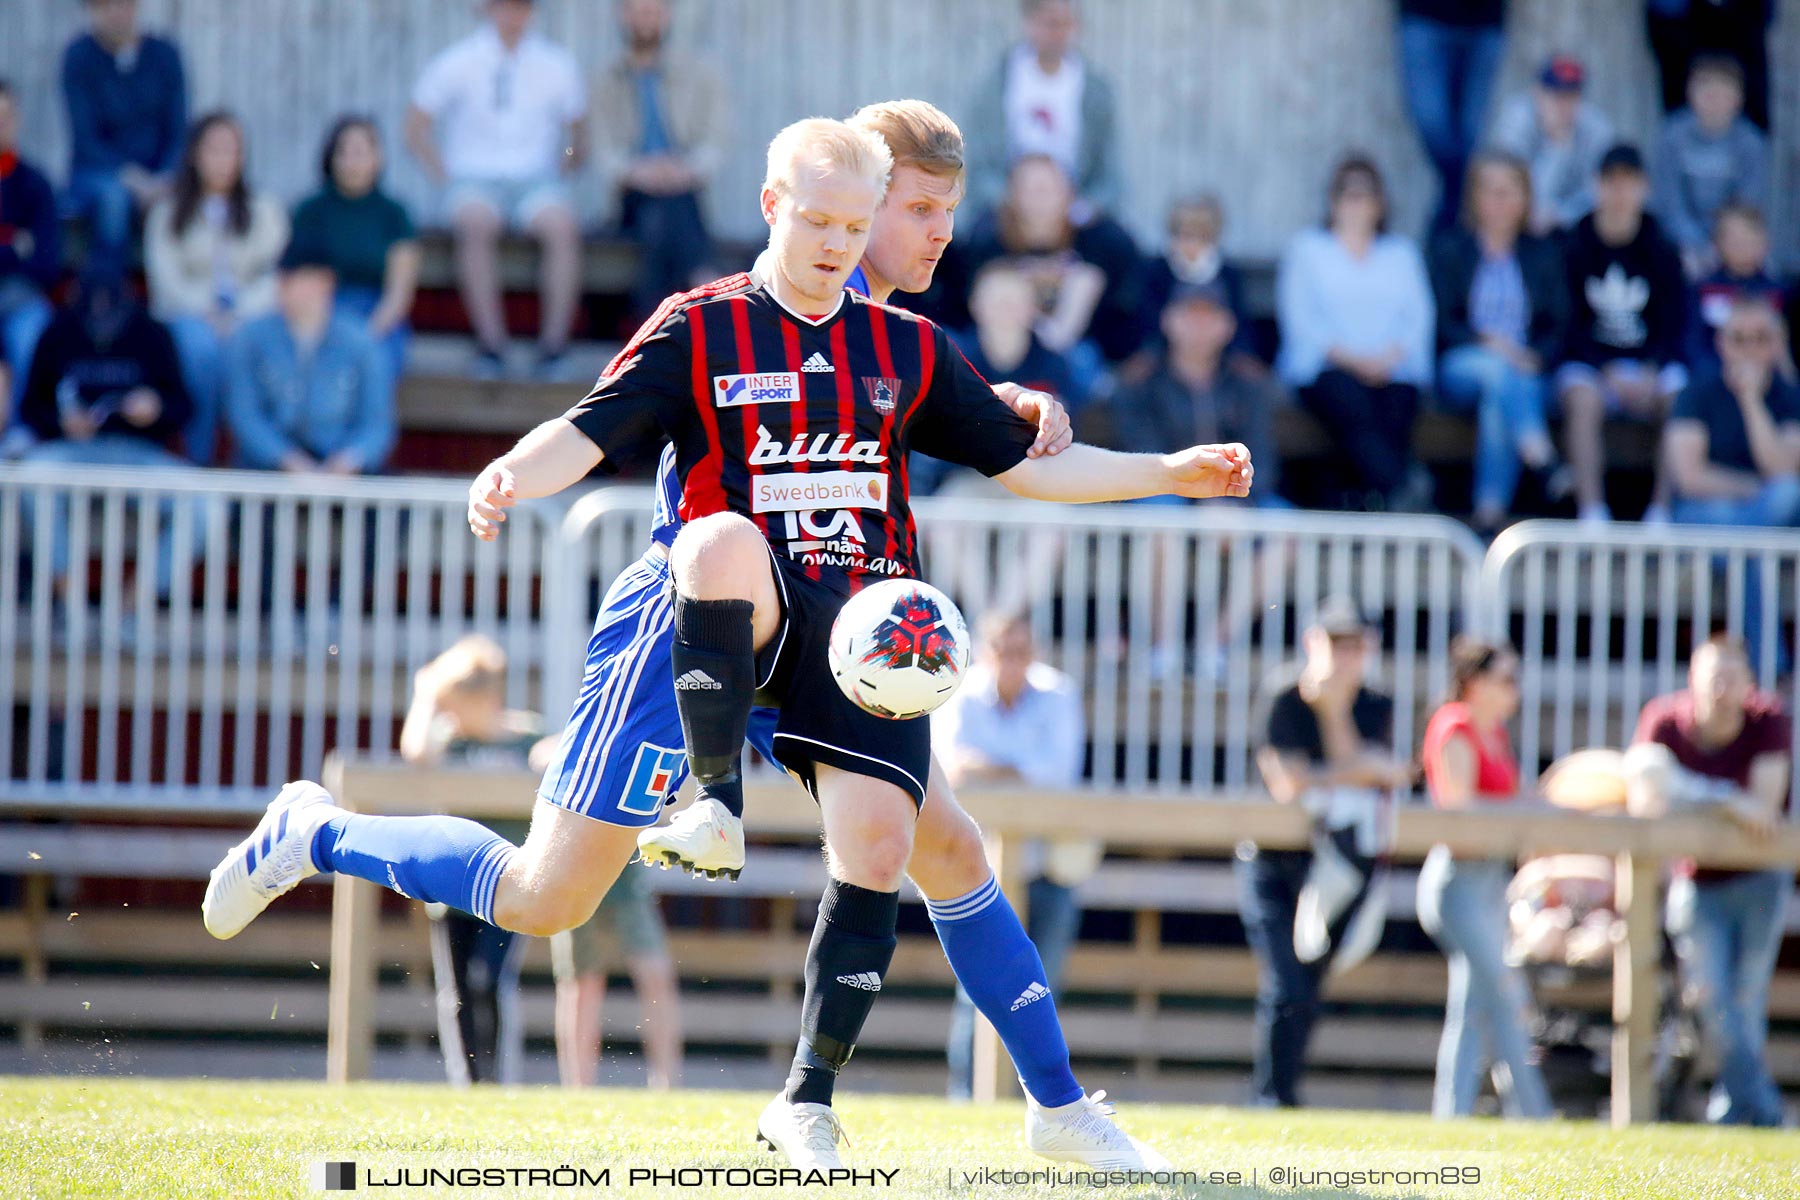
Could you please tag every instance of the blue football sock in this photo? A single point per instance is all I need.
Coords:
(999, 967)
(445, 860)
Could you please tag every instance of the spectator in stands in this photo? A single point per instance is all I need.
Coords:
(500, 120)
(105, 389)
(1625, 327)
(1004, 344)
(126, 94)
(1045, 98)
(367, 236)
(1089, 278)
(1469, 763)
(1321, 733)
(662, 125)
(209, 251)
(30, 257)
(1193, 258)
(1356, 319)
(1198, 391)
(1741, 248)
(1450, 53)
(1732, 748)
(308, 389)
(628, 917)
(459, 716)
(1018, 721)
(1502, 314)
(1562, 136)
(1683, 30)
(1709, 156)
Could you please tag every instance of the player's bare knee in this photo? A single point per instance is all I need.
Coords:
(717, 557)
(875, 858)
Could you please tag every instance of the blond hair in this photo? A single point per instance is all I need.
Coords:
(819, 146)
(919, 134)
(475, 664)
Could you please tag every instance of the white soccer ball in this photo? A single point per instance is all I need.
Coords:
(899, 648)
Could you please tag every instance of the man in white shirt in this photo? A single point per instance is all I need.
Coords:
(500, 119)
(1018, 722)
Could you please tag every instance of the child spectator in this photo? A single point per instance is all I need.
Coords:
(1357, 320)
(1562, 137)
(30, 258)
(126, 94)
(1502, 313)
(1708, 157)
(499, 120)
(366, 235)
(1684, 30)
(1741, 247)
(1628, 303)
(210, 250)
(309, 390)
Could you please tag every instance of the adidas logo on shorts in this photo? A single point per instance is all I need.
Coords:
(868, 981)
(1035, 992)
(817, 363)
(698, 681)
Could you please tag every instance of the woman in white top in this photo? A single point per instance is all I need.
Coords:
(1357, 322)
(210, 250)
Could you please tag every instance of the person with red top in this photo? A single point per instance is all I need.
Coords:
(1732, 748)
(1462, 902)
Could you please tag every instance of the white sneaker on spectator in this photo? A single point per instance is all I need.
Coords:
(1084, 1132)
(1657, 514)
(1594, 515)
(269, 863)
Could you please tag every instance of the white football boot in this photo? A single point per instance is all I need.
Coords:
(270, 862)
(1083, 1132)
(807, 1133)
(703, 839)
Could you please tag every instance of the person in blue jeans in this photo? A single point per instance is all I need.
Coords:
(1733, 746)
(1469, 763)
(126, 93)
(30, 258)
(1502, 313)
(1450, 53)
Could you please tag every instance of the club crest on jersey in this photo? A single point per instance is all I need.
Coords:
(822, 448)
(884, 393)
(772, 387)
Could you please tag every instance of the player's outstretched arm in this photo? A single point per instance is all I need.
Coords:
(1085, 474)
(544, 462)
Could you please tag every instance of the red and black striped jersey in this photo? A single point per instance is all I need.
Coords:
(801, 425)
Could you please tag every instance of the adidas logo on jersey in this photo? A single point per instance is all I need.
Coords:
(868, 981)
(817, 363)
(698, 681)
(1030, 995)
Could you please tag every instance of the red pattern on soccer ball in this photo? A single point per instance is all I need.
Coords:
(914, 634)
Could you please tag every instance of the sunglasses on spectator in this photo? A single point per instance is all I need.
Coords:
(1753, 337)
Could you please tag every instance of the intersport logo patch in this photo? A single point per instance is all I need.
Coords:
(771, 387)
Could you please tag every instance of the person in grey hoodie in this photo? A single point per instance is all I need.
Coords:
(1561, 137)
(1709, 156)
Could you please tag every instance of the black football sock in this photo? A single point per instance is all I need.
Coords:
(852, 945)
(715, 682)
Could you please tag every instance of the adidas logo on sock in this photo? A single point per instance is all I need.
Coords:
(698, 681)
(817, 363)
(1036, 991)
(868, 981)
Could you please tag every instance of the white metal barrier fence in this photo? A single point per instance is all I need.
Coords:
(1605, 620)
(204, 635)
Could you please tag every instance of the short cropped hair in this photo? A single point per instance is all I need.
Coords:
(917, 133)
(474, 665)
(821, 145)
(1718, 66)
(1727, 645)
(1740, 210)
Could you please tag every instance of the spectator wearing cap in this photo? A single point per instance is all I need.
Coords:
(1561, 135)
(309, 389)
(1357, 318)
(1683, 30)
(1502, 313)
(1323, 737)
(1450, 54)
(126, 94)
(499, 120)
(1197, 392)
(1046, 98)
(1741, 248)
(367, 235)
(662, 126)
(1709, 156)
(30, 259)
(1628, 307)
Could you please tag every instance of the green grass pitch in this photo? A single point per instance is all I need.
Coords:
(107, 1137)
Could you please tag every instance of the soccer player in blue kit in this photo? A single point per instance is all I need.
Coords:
(620, 759)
